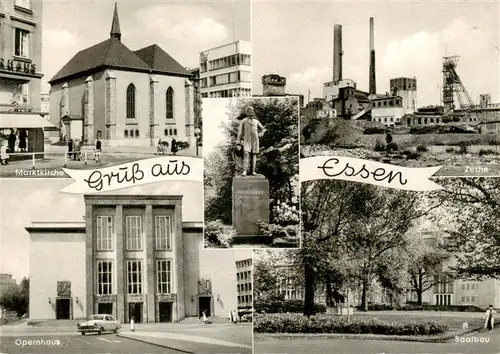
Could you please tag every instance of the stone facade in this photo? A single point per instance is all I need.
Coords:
(55, 246)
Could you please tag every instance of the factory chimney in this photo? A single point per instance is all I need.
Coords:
(337, 53)
(372, 83)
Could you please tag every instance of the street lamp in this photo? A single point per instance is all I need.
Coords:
(197, 134)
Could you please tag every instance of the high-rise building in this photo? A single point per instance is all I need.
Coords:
(21, 52)
(226, 71)
(21, 73)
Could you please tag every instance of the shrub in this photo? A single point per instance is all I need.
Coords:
(422, 148)
(483, 152)
(427, 307)
(374, 130)
(411, 155)
(379, 146)
(218, 235)
(463, 147)
(284, 306)
(377, 307)
(296, 323)
(182, 145)
(424, 307)
(284, 214)
(288, 234)
(391, 147)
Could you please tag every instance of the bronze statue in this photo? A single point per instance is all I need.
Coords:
(248, 141)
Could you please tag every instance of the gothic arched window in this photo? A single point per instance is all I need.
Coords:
(131, 101)
(170, 102)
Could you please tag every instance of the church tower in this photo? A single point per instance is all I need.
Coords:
(115, 26)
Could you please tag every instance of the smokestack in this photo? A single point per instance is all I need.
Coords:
(372, 83)
(337, 53)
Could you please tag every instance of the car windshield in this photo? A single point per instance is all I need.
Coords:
(97, 317)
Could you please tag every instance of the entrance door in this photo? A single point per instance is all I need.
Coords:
(135, 311)
(105, 309)
(62, 309)
(165, 311)
(204, 304)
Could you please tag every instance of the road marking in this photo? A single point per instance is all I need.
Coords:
(84, 341)
(182, 337)
(109, 341)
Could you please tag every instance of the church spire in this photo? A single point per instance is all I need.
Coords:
(115, 26)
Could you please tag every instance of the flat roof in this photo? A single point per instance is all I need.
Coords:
(80, 226)
(225, 45)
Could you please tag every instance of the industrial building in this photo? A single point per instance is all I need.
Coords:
(399, 105)
(244, 279)
(134, 256)
(21, 24)
(121, 97)
(226, 70)
(274, 85)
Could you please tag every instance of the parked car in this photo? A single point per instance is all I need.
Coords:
(99, 324)
(246, 315)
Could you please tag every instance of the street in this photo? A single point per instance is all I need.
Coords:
(67, 343)
(147, 338)
(362, 346)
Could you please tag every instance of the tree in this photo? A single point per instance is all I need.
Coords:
(380, 228)
(425, 261)
(17, 298)
(278, 160)
(471, 219)
(327, 208)
(269, 268)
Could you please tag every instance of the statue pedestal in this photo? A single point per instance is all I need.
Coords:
(250, 204)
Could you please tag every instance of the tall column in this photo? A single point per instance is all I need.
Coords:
(89, 110)
(65, 92)
(89, 261)
(111, 114)
(189, 115)
(150, 263)
(154, 122)
(121, 286)
(372, 74)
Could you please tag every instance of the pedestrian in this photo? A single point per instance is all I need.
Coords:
(204, 316)
(174, 148)
(4, 155)
(23, 134)
(70, 148)
(12, 141)
(132, 324)
(77, 152)
(97, 152)
(159, 148)
(489, 318)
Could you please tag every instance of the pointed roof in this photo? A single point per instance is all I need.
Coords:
(108, 54)
(159, 61)
(115, 25)
(113, 54)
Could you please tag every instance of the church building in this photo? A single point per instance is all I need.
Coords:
(122, 97)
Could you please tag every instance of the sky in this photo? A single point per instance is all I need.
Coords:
(181, 28)
(295, 40)
(216, 111)
(25, 201)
